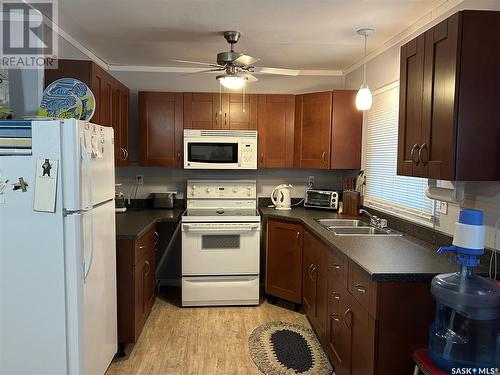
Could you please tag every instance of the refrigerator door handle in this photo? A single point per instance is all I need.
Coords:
(86, 160)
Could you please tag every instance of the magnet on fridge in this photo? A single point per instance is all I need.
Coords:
(46, 185)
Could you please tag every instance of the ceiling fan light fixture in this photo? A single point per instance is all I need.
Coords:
(232, 82)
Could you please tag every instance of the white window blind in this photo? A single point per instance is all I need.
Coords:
(404, 196)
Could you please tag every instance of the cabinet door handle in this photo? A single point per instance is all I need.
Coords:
(412, 153)
(335, 317)
(298, 237)
(216, 118)
(178, 156)
(126, 153)
(262, 158)
(225, 118)
(337, 266)
(312, 273)
(347, 312)
(142, 247)
(149, 267)
(423, 147)
(323, 155)
(360, 288)
(309, 270)
(157, 237)
(336, 296)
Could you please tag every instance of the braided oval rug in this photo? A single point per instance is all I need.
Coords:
(285, 348)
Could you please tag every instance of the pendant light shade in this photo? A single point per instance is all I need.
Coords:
(364, 96)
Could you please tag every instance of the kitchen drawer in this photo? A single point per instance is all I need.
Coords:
(337, 270)
(363, 289)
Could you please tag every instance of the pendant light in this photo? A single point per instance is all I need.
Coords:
(364, 96)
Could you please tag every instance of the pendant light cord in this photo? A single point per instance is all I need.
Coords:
(364, 65)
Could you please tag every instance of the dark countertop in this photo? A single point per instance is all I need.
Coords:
(133, 223)
(384, 258)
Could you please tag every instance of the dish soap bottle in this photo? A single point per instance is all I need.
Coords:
(466, 329)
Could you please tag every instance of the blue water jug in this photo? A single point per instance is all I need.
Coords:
(466, 329)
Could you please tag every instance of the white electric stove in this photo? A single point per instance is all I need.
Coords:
(220, 243)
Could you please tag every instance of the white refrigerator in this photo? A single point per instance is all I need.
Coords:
(58, 311)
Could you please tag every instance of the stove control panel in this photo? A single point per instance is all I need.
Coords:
(223, 189)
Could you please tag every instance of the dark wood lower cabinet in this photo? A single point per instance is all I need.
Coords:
(284, 260)
(366, 327)
(135, 285)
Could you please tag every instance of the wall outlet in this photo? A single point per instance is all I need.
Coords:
(442, 207)
(310, 181)
(139, 179)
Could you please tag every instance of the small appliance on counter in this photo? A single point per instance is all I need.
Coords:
(328, 199)
(466, 329)
(280, 196)
(119, 200)
(164, 200)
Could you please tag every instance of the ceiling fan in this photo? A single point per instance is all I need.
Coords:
(236, 66)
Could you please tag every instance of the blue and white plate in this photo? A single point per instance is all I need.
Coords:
(68, 98)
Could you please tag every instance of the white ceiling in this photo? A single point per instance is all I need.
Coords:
(298, 34)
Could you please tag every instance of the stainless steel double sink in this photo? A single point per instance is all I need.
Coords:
(353, 227)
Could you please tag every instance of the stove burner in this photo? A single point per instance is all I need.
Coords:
(220, 211)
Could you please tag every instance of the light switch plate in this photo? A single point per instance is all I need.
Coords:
(45, 185)
(442, 207)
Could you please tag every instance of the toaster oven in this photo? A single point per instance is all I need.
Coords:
(328, 199)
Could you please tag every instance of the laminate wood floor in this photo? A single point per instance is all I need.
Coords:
(205, 340)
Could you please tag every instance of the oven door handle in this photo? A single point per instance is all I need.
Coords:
(224, 229)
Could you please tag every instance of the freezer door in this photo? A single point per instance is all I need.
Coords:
(88, 164)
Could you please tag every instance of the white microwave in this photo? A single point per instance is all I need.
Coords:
(220, 149)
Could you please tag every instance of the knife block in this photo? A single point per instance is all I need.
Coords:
(351, 202)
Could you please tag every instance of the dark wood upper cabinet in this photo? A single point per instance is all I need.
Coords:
(328, 130)
(160, 129)
(448, 121)
(284, 260)
(111, 99)
(313, 120)
(202, 111)
(239, 112)
(276, 129)
(347, 129)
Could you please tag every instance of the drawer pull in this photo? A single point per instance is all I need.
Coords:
(142, 246)
(337, 266)
(335, 317)
(336, 296)
(360, 288)
(347, 312)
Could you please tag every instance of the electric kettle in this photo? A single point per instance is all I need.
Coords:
(282, 200)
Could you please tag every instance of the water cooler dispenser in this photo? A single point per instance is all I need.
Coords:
(466, 329)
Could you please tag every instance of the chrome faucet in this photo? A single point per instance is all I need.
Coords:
(374, 220)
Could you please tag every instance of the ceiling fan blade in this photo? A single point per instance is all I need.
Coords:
(204, 71)
(245, 60)
(279, 71)
(250, 77)
(197, 63)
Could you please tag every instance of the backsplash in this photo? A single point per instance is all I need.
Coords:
(169, 179)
